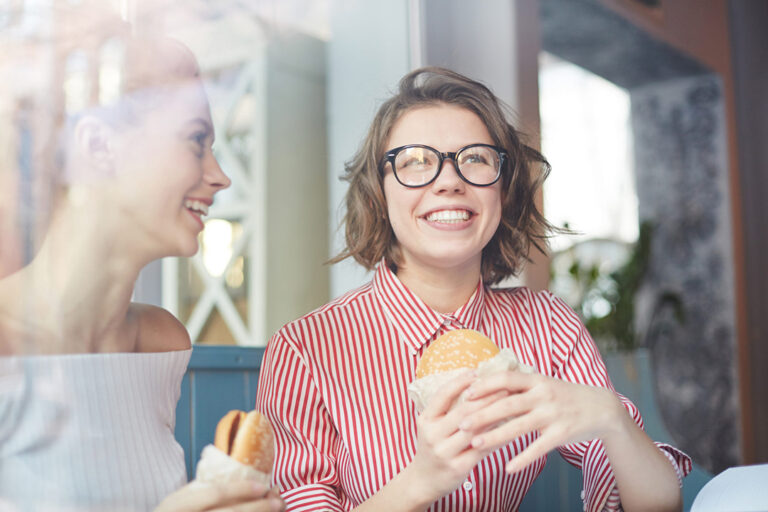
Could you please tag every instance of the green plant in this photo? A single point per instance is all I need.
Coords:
(607, 301)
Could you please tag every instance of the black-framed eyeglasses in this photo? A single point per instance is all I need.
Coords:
(417, 165)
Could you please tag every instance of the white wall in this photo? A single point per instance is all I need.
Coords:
(367, 54)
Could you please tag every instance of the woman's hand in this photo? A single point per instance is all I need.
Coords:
(240, 496)
(444, 454)
(562, 412)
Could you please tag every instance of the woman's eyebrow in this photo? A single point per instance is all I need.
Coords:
(207, 126)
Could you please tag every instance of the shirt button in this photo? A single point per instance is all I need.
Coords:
(467, 486)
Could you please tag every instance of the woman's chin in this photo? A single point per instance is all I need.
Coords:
(190, 250)
(449, 261)
(185, 248)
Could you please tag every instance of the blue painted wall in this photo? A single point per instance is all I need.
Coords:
(218, 379)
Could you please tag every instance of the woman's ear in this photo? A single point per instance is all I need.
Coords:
(94, 147)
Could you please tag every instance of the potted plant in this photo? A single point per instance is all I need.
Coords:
(602, 280)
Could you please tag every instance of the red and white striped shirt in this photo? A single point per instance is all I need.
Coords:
(333, 384)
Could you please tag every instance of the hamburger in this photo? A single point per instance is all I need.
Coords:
(462, 348)
(247, 438)
(456, 351)
(243, 447)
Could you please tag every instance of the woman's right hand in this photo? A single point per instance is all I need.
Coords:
(444, 453)
(240, 496)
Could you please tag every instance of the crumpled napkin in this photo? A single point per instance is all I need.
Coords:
(422, 390)
(216, 466)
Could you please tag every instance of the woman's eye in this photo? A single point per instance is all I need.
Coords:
(412, 162)
(416, 161)
(474, 158)
(200, 140)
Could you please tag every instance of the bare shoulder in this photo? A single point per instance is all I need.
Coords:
(158, 329)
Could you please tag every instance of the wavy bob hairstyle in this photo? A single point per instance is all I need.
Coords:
(369, 235)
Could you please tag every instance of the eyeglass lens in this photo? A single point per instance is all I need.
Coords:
(419, 165)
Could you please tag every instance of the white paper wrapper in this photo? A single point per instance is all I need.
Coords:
(422, 390)
(216, 466)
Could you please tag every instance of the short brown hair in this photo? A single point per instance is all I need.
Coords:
(369, 235)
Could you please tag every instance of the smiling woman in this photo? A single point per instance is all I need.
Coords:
(91, 379)
(441, 204)
(136, 176)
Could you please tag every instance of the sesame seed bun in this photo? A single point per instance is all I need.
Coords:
(461, 348)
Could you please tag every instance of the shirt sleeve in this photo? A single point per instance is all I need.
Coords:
(577, 359)
(305, 437)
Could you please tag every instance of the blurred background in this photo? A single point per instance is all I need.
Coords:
(651, 112)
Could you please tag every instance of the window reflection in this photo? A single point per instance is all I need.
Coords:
(264, 68)
(77, 86)
(110, 71)
(586, 136)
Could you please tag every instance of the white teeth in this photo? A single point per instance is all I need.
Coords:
(196, 206)
(449, 216)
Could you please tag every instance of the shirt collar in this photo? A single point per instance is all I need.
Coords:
(417, 322)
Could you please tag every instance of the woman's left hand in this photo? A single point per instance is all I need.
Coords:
(562, 412)
(242, 496)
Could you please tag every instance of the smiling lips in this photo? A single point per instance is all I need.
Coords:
(197, 207)
(448, 216)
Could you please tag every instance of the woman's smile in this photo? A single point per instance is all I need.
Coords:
(450, 218)
(198, 208)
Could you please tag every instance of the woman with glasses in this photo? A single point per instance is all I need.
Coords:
(441, 204)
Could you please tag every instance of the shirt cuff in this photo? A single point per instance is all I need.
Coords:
(679, 460)
(599, 482)
(600, 491)
(310, 498)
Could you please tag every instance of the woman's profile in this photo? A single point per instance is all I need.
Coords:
(89, 380)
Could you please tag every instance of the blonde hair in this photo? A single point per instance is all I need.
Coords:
(368, 232)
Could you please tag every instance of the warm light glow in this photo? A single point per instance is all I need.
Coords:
(218, 238)
(236, 273)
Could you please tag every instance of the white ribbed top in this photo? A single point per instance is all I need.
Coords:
(90, 431)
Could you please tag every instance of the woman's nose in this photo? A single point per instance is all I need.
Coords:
(214, 175)
(448, 178)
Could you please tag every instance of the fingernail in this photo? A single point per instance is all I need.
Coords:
(477, 442)
(275, 504)
(465, 425)
(259, 489)
(511, 467)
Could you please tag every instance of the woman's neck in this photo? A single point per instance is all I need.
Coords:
(443, 289)
(75, 295)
